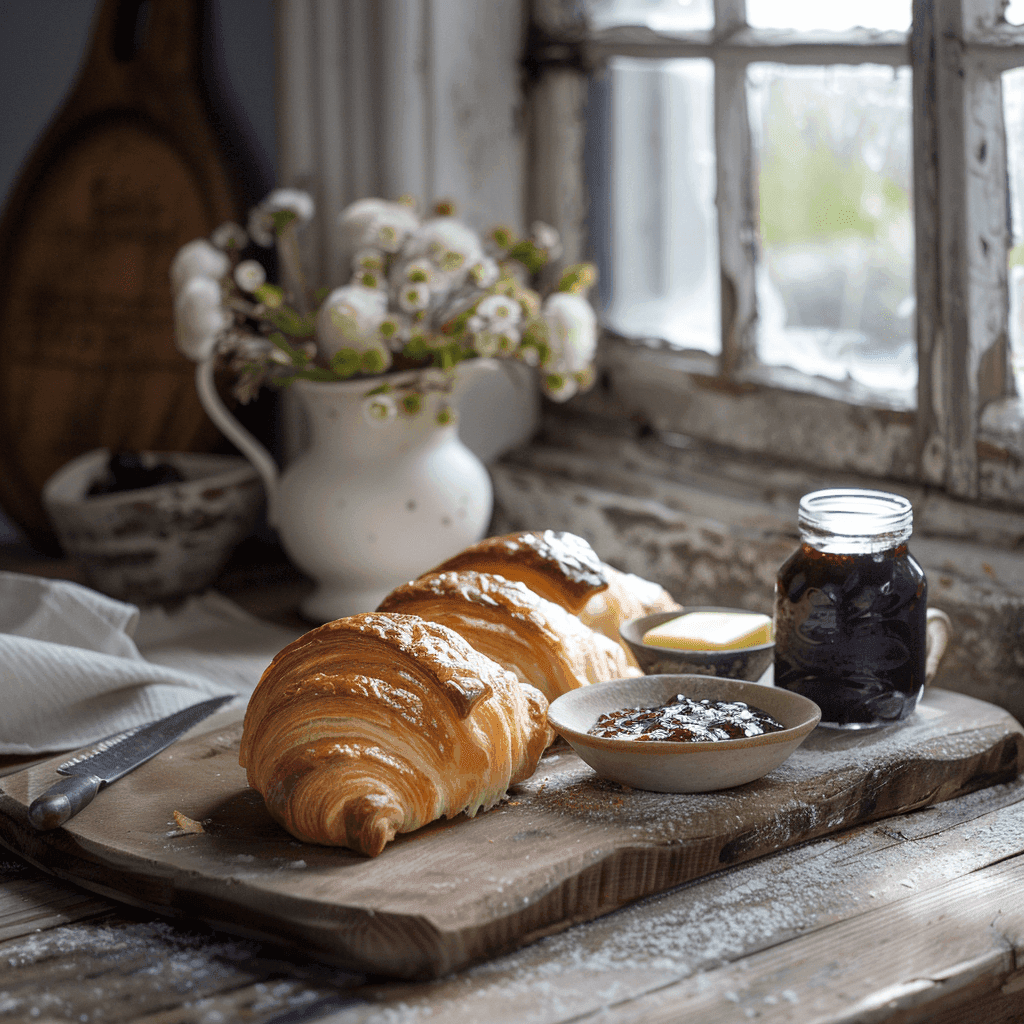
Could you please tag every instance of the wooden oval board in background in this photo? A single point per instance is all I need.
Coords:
(129, 170)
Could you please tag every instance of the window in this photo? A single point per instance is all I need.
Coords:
(808, 234)
(849, 183)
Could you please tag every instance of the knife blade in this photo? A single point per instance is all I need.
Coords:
(110, 760)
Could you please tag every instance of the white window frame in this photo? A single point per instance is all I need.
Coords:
(434, 97)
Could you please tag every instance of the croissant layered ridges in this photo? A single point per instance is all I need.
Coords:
(432, 706)
(561, 567)
(377, 724)
(539, 640)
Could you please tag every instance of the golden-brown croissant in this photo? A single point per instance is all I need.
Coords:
(377, 724)
(558, 566)
(626, 597)
(537, 639)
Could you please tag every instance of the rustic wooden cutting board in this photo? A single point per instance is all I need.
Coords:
(130, 169)
(565, 847)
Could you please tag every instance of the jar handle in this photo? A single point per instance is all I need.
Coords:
(939, 629)
(262, 460)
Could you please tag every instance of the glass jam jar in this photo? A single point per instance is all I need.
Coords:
(850, 609)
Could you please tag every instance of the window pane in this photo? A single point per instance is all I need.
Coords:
(835, 279)
(661, 15)
(660, 259)
(806, 15)
(1013, 113)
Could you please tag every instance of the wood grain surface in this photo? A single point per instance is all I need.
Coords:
(130, 169)
(566, 846)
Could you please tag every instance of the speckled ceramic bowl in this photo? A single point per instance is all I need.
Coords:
(748, 663)
(154, 543)
(683, 767)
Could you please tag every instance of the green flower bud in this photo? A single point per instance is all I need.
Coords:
(372, 361)
(503, 237)
(282, 218)
(345, 362)
(270, 295)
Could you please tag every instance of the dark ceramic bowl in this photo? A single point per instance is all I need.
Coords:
(748, 663)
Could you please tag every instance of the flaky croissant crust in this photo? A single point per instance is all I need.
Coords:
(627, 597)
(380, 723)
(539, 640)
(561, 567)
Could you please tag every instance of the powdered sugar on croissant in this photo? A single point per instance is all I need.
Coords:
(377, 724)
(537, 639)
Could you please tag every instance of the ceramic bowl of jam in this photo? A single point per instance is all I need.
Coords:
(756, 727)
(749, 663)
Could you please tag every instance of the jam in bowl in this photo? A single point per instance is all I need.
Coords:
(682, 766)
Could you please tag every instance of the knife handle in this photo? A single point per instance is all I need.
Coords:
(63, 800)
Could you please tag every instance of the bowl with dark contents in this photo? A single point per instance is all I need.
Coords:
(151, 526)
(709, 640)
(683, 733)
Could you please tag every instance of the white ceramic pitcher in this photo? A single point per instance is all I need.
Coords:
(366, 507)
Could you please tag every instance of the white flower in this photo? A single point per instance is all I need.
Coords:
(249, 275)
(419, 271)
(413, 297)
(261, 217)
(369, 279)
(197, 259)
(379, 409)
(499, 312)
(350, 317)
(280, 357)
(545, 237)
(451, 246)
(572, 332)
(395, 330)
(374, 224)
(484, 272)
(199, 318)
(229, 236)
(558, 387)
(369, 258)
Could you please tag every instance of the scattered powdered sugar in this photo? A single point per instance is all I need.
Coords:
(175, 962)
(718, 920)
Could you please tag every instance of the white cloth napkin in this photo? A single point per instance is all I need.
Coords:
(76, 666)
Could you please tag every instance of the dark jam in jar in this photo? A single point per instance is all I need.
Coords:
(850, 624)
(685, 720)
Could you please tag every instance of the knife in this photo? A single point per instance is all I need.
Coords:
(109, 760)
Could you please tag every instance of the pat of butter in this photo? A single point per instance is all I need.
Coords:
(711, 631)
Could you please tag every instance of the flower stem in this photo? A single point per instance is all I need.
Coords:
(291, 269)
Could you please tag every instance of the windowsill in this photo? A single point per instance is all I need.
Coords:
(700, 364)
(829, 427)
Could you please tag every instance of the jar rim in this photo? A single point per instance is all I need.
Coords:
(856, 512)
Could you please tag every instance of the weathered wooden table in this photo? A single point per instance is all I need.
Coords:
(915, 917)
